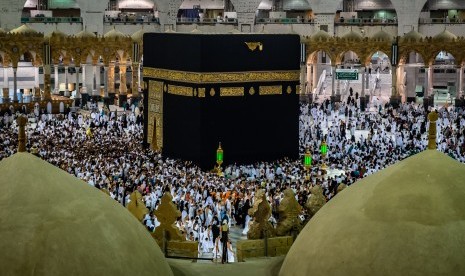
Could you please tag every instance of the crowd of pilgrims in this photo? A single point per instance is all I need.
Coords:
(105, 150)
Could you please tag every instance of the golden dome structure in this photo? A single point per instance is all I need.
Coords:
(23, 29)
(138, 36)
(320, 35)
(382, 36)
(55, 224)
(413, 36)
(408, 219)
(445, 36)
(85, 34)
(352, 36)
(114, 34)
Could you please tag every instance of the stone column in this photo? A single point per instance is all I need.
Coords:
(362, 93)
(111, 79)
(460, 88)
(56, 90)
(15, 85)
(6, 87)
(430, 81)
(77, 101)
(47, 83)
(135, 79)
(333, 90)
(66, 82)
(123, 89)
(426, 88)
(94, 81)
(105, 81)
(84, 84)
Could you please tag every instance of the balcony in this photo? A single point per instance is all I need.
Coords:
(364, 22)
(51, 20)
(284, 21)
(442, 21)
(131, 20)
(206, 21)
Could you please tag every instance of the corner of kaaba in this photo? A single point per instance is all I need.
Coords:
(240, 90)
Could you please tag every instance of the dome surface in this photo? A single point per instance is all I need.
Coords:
(383, 36)
(408, 219)
(23, 29)
(320, 35)
(52, 223)
(413, 35)
(445, 36)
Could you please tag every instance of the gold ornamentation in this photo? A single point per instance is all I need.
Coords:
(155, 116)
(201, 92)
(252, 91)
(167, 213)
(231, 91)
(212, 92)
(289, 90)
(180, 90)
(271, 90)
(297, 90)
(254, 46)
(228, 77)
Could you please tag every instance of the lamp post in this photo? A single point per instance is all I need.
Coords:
(219, 159)
(324, 151)
(307, 162)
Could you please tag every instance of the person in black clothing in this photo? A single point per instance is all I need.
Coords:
(215, 228)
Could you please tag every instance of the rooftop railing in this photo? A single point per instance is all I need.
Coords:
(51, 20)
(183, 20)
(364, 21)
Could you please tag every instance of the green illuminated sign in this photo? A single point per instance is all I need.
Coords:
(346, 74)
(219, 156)
(307, 160)
(324, 149)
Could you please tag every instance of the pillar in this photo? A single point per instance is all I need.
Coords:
(66, 82)
(333, 90)
(111, 79)
(6, 88)
(362, 93)
(123, 89)
(56, 90)
(47, 83)
(135, 79)
(84, 84)
(15, 85)
(105, 81)
(395, 99)
(460, 89)
(95, 92)
(77, 101)
(430, 81)
(426, 88)
(36, 89)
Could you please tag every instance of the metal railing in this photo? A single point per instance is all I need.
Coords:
(51, 20)
(184, 20)
(441, 21)
(130, 20)
(364, 21)
(284, 21)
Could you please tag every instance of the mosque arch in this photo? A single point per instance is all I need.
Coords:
(349, 59)
(318, 63)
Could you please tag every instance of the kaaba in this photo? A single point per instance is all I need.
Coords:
(240, 90)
